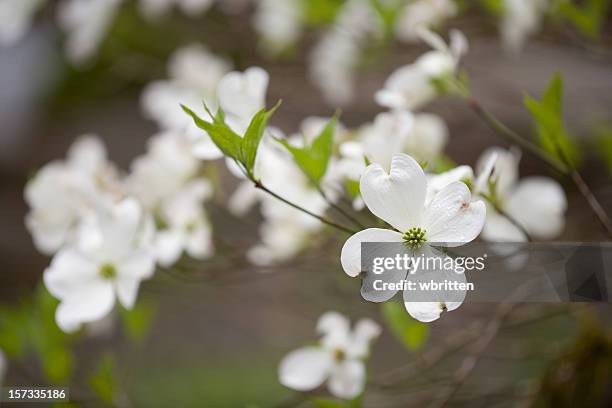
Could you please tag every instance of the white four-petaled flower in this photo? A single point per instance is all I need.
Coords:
(111, 259)
(338, 359)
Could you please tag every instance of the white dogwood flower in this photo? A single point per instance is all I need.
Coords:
(241, 95)
(186, 225)
(521, 19)
(338, 359)
(278, 23)
(537, 203)
(85, 22)
(108, 262)
(194, 74)
(422, 13)
(62, 192)
(154, 8)
(412, 86)
(15, 19)
(398, 197)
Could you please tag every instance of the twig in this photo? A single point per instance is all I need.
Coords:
(510, 218)
(324, 220)
(339, 209)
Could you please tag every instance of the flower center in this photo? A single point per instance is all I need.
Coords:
(415, 237)
(108, 271)
(339, 355)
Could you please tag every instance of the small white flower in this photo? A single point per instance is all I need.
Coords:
(194, 74)
(154, 8)
(187, 228)
(521, 19)
(15, 19)
(398, 197)
(62, 192)
(241, 95)
(108, 263)
(278, 23)
(338, 359)
(538, 204)
(411, 86)
(422, 13)
(85, 23)
(163, 170)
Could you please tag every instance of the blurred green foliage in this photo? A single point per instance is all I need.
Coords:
(547, 114)
(410, 332)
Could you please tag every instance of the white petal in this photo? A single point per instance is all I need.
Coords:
(305, 369)
(429, 311)
(351, 251)
(436, 182)
(70, 272)
(539, 205)
(127, 291)
(364, 332)
(498, 228)
(243, 199)
(205, 149)
(199, 243)
(331, 322)
(169, 246)
(505, 170)
(432, 39)
(458, 44)
(396, 197)
(139, 265)
(452, 217)
(89, 304)
(347, 379)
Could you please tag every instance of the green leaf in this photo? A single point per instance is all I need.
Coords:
(494, 7)
(328, 403)
(352, 187)
(253, 135)
(553, 137)
(313, 159)
(228, 141)
(103, 380)
(409, 331)
(588, 18)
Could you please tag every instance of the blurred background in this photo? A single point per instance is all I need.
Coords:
(212, 334)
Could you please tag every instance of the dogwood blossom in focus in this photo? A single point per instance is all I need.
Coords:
(412, 86)
(520, 20)
(422, 13)
(62, 192)
(194, 74)
(154, 8)
(85, 23)
(108, 262)
(398, 197)
(537, 203)
(15, 19)
(278, 23)
(338, 359)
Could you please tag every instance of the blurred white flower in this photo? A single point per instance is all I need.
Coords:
(537, 203)
(194, 74)
(411, 86)
(278, 23)
(154, 8)
(422, 13)
(186, 225)
(163, 171)
(62, 192)
(398, 197)
(107, 262)
(85, 22)
(520, 20)
(15, 19)
(337, 359)
(241, 95)
(335, 58)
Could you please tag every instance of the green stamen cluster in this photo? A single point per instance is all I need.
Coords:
(415, 237)
(108, 271)
(339, 355)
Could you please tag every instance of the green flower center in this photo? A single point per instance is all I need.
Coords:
(339, 355)
(415, 237)
(108, 271)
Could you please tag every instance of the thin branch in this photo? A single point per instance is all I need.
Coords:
(339, 209)
(324, 220)
(510, 218)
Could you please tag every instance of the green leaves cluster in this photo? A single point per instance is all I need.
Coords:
(30, 328)
(410, 332)
(241, 148)
(547, 113)
(589, 17)
(313, 158)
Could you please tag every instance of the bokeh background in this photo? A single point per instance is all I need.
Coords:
(213, 334)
